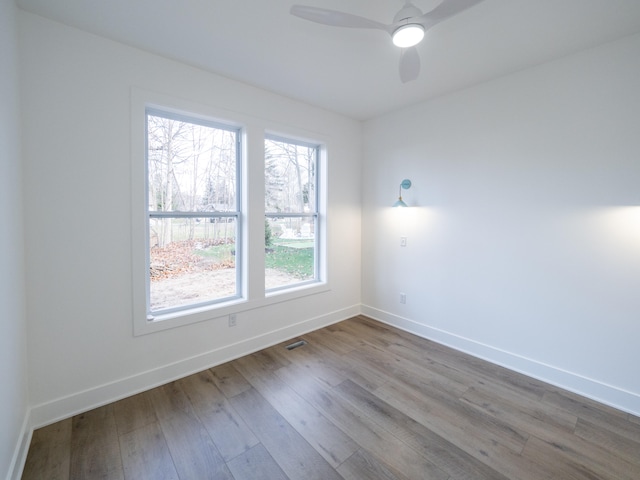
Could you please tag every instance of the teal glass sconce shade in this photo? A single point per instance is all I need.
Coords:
(406, 184)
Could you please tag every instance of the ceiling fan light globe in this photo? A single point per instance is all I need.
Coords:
(408, 35)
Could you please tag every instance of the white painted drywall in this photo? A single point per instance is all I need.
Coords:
(77, 152)
(13, 342)
(523, 246)
(524, 239)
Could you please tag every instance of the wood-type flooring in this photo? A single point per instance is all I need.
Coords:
(361, 400)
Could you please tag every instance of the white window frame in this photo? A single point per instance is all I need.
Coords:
(318, 257)
(253, 133)
(235, 214)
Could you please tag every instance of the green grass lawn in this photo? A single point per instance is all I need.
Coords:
(293, 257)
(218, 252)
(295, 243)
(293, 260)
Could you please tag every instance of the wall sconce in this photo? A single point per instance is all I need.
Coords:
(406, 184)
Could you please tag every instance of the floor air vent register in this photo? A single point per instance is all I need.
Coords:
(296, 345)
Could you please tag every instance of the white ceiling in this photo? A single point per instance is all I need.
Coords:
(350, 71)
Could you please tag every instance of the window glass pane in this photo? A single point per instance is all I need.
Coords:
(290, 251)
(195, 264)
(290, 177)
(290, 189)
(191, 167)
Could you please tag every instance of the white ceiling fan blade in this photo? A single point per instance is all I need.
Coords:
(335, 18)
(448, 8)
(409, 64)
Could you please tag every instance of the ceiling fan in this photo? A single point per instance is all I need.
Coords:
(407, 29)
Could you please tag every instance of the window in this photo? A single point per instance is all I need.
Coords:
(198, 229)
(291, 210)
(193, 212)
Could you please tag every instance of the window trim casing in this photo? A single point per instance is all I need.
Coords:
(253, 129)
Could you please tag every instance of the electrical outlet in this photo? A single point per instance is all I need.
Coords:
(403, 241)
(403, 298)
(233, 321)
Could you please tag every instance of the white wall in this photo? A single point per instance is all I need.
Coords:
(524, 247)
(524, 242)
(76, 90)
(13, 359)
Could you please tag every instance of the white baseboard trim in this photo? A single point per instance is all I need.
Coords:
(607, 394)
(65, 407)
(22, 448)
(46, 413)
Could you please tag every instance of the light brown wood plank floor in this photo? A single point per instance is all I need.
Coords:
(360, 401)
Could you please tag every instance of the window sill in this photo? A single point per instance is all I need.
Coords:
(142, 326)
